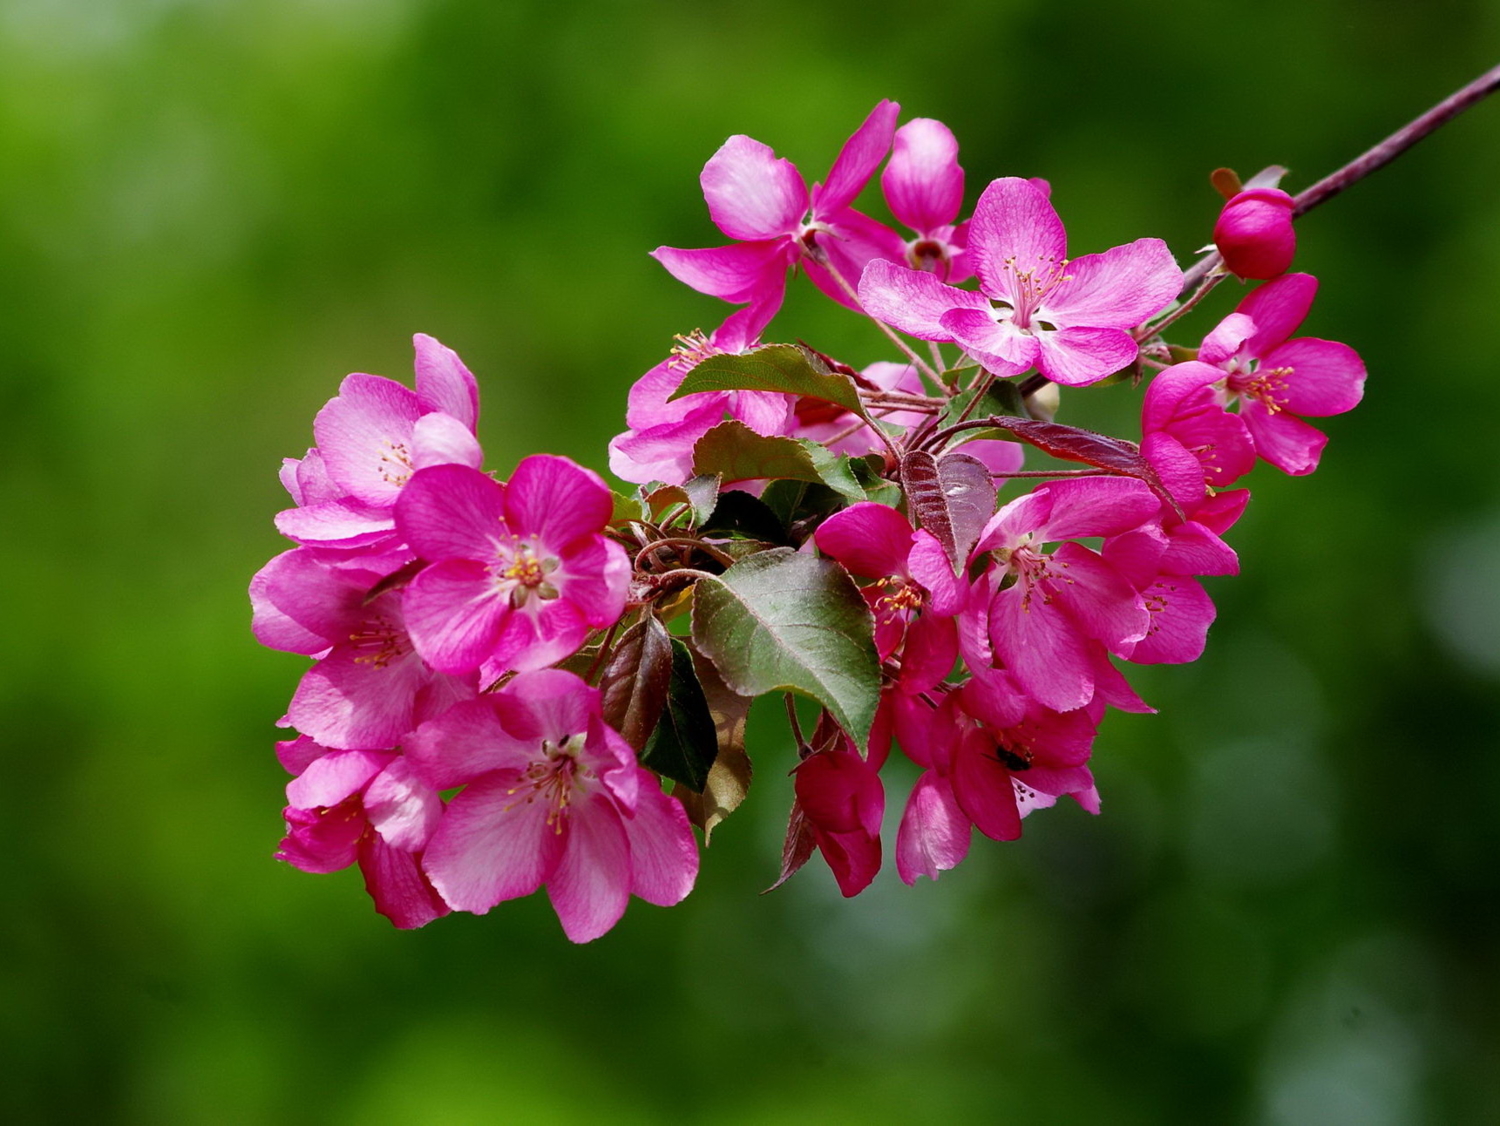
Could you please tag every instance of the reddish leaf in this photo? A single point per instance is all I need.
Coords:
(1072, 443)
(798, 847)
(951, 496)
(634, 683)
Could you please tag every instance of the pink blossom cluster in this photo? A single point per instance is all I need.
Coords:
(418, 585)
(473, 634)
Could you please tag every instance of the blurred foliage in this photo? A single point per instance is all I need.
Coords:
(211, 210)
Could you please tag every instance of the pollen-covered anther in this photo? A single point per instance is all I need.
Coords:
(381, 642)
(396, 467)
(901, 595)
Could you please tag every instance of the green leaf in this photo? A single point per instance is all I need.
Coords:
(685, 743)
(734, 452)
(699, 493)
(626, 509)
(782, 621)
(634, 684)
(788, 368)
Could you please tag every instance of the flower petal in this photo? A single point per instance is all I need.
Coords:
(364, 435)
(999, 345)
(934, 834)
(451, 512)
(739, 273)
(1120, 288)
(455, 615)
(591, 886)
(403, 809)
(493, 844)
(1014, 228)
(869, 539)
(557, 500)
(663, 854)
(1326, 377)
(923, 183)
(913, 300)
(443, 382)
(1077, 356)
(396, 883)
(1277, 308)
(751, 193)
(857, 161)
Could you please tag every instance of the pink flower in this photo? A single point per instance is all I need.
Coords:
(1191, 441)
(370, 687)
(763, 202)
(876, 541)
(1043, 609)
(364, 806)
(520, 573)
(924, 188)
(1276, 379)
(659, 444)
(841, 797)
(1035, 306)
(553, 797)
(1254, 233)
(372, 437)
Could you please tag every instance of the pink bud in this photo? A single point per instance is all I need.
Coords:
(1254, 233)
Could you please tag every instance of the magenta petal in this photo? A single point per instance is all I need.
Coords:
(999, 345)
(336, 523)
(1181, 613)
(363, 435)
(594, 578)
(347, 700)
(1179, 470)
(1076, 356)
(664, 452)
(854, 858)
(298, 605)
(591, 886)
(557, 500)
(554, 632)
(1120, 288)
(931, 649)
(548, 705)
(493, 845)
(869, 539)
(443, 382)
(1288, 443)
(934, 835)
(1254, 233)
(441, 439)
(403, 809)
(296, 755)
(1101, 600)
(923, 182)
(395, 882)
(663, 854)
(1013, 220)
(451, 511)
(1227, 338)
(857, 160)
(455, 615)
(913, 300)
(928, 563)
(1171, 388)
(323, 840)
(751, 193)
(738, 273)
(334, 777)
(1277, 308)
(837, 790)
(983, 788)
(1096, 506)
(467, 741)
(1042, 647)
(1326, 377)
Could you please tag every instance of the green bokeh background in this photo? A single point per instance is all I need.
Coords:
(210, 211)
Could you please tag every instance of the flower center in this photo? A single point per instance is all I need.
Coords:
(554, 778)
(900, 594)
(396, 467)
(1029, 287)
(523, 574)
(379, 642)
(1266, 386)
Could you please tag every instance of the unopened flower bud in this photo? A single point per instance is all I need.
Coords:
(1254, 233)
